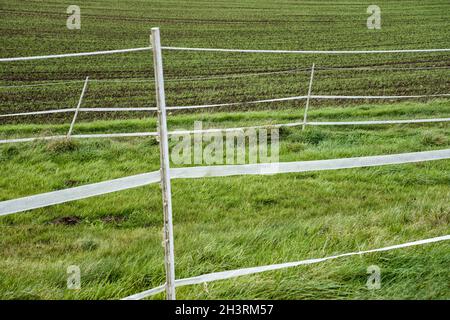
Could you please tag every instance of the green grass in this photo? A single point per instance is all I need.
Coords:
(226, 223)
(246, 116)
(36, 28)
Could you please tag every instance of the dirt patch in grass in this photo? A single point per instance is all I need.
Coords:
(433, 139)
(62, 146)
(66, 221)
(71, 183)
(113, 219)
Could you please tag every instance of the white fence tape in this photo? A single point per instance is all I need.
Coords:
(81, 110)
(280, 125)
(116, 135)
(77, 193)
(41, 84)
(31, 113)
(20, 140)
(83, 136)
(229, 76)
(308, 51)
(215, 276)
(151, 292)
(82, 192)
(236, 103)
(80, 54)
(317, 97)
(325, 97)
(125, 109)
(334, 97)
(374, 122)
(305, 166)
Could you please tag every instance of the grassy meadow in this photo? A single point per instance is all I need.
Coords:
(226, 223)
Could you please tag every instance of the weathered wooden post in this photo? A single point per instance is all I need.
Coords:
(165, 165)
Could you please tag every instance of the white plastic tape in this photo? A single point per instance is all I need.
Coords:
(231, 76)
(115, 135)
(20, 140)
(236, 103)
(81, 54)
(118, 109)
(82, 192)
(83, 136)
(80, 109)
(147, 293)
(222, 50)
(308, 51)
(373, 122)
(41, 84)
(331, 97)
(77, 193)
(305, 166)
(279, 125)
(248, 271)
(317, 97)
(31, 113)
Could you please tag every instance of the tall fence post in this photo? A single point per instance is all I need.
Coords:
(78, 108)
(305, 117)
(165, 166)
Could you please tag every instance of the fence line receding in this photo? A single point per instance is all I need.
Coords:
(166, 173)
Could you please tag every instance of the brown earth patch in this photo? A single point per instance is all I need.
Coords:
(113, 219)
(66, 221)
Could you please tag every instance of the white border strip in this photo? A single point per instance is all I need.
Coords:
(307, 51)
(66, 195)
(215, 276)
(81, 54)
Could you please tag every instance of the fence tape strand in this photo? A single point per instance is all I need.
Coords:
(318, 97)
(214, 130)
(82, 192)
(31, 113)
(375, 122)
(83, 136)
(81, 54)
(230, 76)
(215, 276)
(308, 51)
(124, 109)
